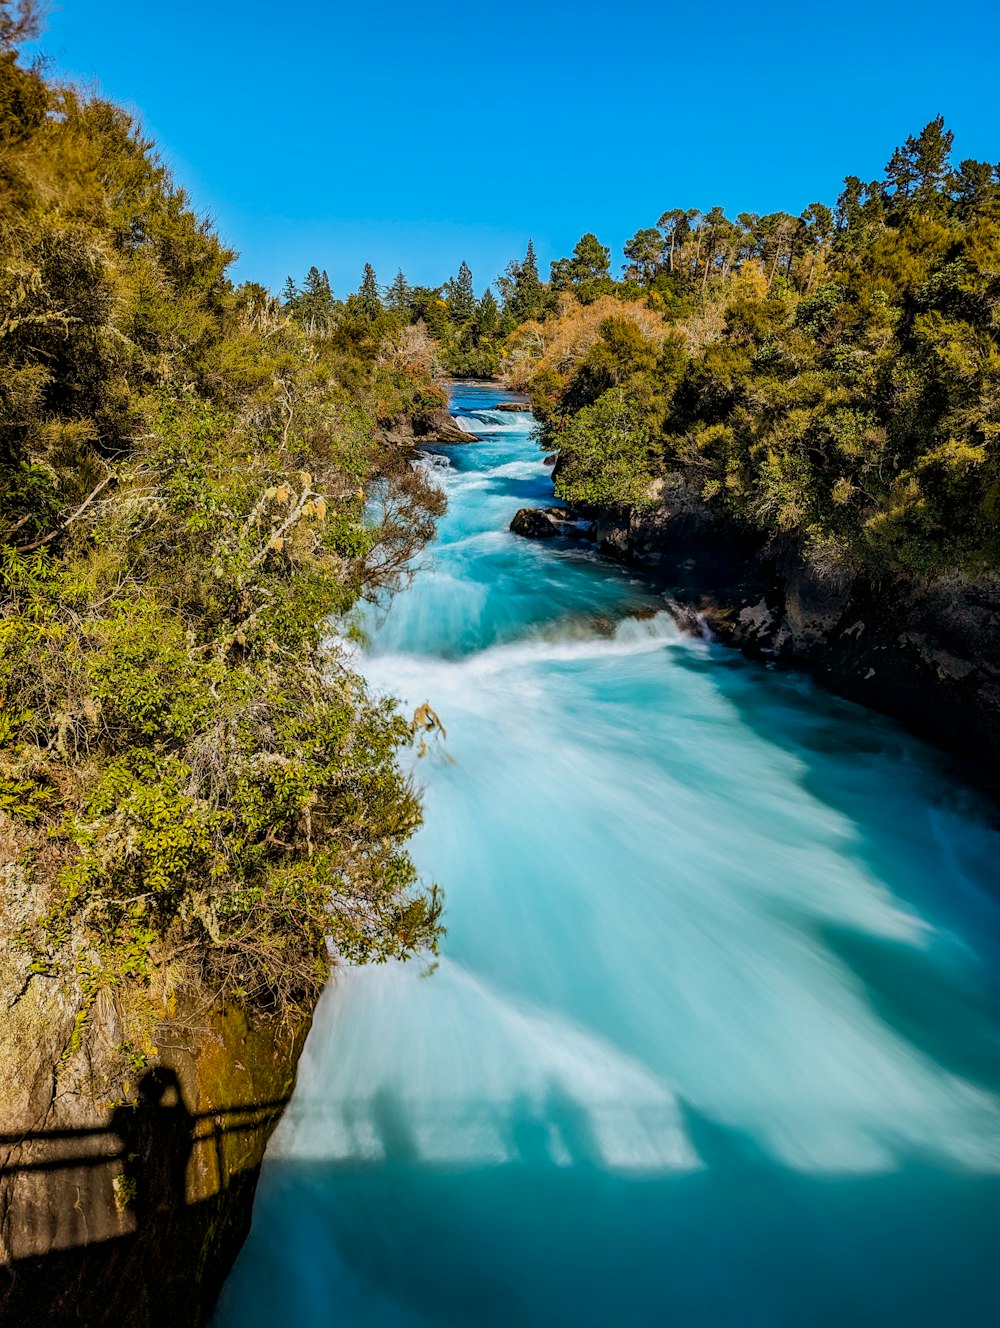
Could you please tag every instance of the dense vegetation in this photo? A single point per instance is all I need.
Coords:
(444, 328)
(196, 791)
(833, 378)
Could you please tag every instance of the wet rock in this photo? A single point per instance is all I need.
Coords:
(534, 523)
(519, 407)
(437, 426)
(547, 522)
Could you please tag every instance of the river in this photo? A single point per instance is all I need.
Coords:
(714, 1035)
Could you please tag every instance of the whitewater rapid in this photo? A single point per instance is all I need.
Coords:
(714, 1034)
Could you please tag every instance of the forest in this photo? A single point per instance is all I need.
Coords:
(197, 790)
(832, 377)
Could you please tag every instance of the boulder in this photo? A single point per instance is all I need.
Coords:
(534, 523)
(437, 426)
(517, 406)
(547, 522)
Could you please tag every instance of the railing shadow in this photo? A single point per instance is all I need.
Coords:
(110, 1223)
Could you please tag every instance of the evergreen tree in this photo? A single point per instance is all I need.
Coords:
(368, 300)
(314, 306)
(587, 273)
(461, 296)
(487, 315)
(397, 297)
(645, 253)
(521, 289)
(289, 294)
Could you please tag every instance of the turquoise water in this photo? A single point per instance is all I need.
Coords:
(715, 1037)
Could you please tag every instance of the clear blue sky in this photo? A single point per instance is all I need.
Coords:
(415, 135)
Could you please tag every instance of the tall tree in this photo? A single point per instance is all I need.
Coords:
(521, 288)
(919, 173)
(487, 315)
(461, 296)
(290, 294)
(645, 254)
(368, 300)
(588, 272)
(397, 296)
(314, 306)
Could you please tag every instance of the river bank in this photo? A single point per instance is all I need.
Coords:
(924, 653)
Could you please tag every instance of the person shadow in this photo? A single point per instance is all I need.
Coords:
(157, 1135)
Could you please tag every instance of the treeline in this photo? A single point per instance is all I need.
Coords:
(832, 378)
(196, 792)
(447, 328)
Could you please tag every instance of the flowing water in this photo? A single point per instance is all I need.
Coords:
(714, 1037)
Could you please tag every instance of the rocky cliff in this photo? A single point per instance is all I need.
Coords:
(927, 653)
(124, 1200)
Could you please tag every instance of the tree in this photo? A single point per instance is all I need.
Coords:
(314, 306)
(605, 454)
(645, 254)
(19, 22)
(919, 173)
(676, 227)
(521, 288)
(368, 300)
(977, 187)
(817, 229)
(461, 296)
(487, 315)
(397, 297)
(587, 273)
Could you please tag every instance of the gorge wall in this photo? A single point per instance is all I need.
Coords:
(128, 1212)
(927, 654)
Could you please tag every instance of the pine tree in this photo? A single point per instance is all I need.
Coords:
(487, 315)
(314, 306)
(368, 300)
(290, 294)
(397, 296)
(521, 288)
(461, 296)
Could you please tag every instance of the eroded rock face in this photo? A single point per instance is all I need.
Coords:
(438, 426)
(929, 655)
(430, 426)
(127, 1204)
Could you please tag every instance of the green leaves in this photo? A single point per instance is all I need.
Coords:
(193, 483)
(606, 456)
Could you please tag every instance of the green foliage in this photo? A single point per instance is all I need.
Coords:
(200, 788)
(606, 456)
(587, 273)
(521, 289)
(835, 379)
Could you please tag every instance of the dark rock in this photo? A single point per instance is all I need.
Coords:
(131, 1214)
(926, 654)
(517, 406)
(534, 523)
(547, 522)
(437, 426)
(551, 459)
